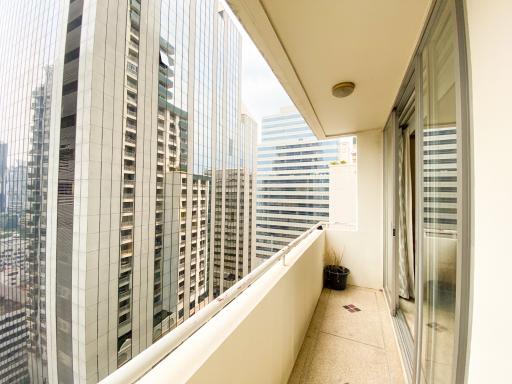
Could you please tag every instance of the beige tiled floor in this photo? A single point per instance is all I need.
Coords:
(349, 348)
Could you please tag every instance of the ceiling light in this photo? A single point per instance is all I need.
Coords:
(343, 89)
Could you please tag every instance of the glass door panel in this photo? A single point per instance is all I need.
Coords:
(406, 255)
(440, 194)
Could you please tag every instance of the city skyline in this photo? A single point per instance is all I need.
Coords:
(127, 197)
(249, 191)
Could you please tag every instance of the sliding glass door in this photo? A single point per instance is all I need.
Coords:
(426, 204)
(439, 226)
(406, 252)
(401, 262)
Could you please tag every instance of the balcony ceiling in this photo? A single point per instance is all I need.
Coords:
(312, 45)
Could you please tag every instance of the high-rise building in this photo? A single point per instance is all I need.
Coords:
(440, 221)
(292, 181)
(247, 220)
(16, 189)
(3, 176)
(35, 214)
(129, 175)
(13, 337)
(235, 226)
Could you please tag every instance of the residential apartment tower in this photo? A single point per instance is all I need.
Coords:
(130, 195)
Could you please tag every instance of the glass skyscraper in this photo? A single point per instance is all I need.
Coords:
(292, 180)
(233, 247)
(126, 175)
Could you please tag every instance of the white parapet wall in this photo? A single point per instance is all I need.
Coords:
(362, 243)
(257, 337)
(343, 194)
(490, 62)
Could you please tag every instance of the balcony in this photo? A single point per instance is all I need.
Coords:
(135, 5)
(352, 346)
(124, 293)
(124, 326)
(129, 153)
(135, 46)
(131, 67)
(135, 20)
(126, 253)
(128, 194)
(126, 239)
(316, 335)
(126, 221)
(124, 280)
(130, 123)
(129, 168)
(130, 138)
(420, 70)
(126, 264)
(130, 82)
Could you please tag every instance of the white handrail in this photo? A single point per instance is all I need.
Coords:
(138, 366)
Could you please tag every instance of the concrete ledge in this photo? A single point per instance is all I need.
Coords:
(257, 337)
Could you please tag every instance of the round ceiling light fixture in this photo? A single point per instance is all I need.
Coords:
(343, 89)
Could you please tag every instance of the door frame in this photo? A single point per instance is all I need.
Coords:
(406, 106)
(389, 277)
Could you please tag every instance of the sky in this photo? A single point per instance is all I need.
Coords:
(262, 94)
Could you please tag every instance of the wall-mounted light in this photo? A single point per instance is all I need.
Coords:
(343, 89)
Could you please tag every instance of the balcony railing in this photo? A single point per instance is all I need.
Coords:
(129, 152)
(126, 238)
(149, 359)
(132, 68)
(124, 280)
(129, 167)
(126, 221)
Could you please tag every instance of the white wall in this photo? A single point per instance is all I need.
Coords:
(363, 247)
(343, 194)
(490, 53)
(256, 338)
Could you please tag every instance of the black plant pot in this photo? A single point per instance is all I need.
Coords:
(335, 277)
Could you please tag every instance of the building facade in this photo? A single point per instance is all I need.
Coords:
(292, 180)
(3, 176)
(234, 246)
(127, 185)
(13, 338)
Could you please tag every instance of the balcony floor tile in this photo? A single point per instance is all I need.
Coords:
(344, 345)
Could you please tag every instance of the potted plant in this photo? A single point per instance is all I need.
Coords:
(335, 274)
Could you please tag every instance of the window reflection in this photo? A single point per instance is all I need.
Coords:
(441, 194)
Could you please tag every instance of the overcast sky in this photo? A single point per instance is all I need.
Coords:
(262, 94)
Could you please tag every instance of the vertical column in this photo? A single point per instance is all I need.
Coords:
(118, 35)
(209, 267)
(190, 159)
(53, 173)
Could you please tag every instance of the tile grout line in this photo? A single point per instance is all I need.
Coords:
(376, 310)
(364, 308)
(314, 336)
(354, 341)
